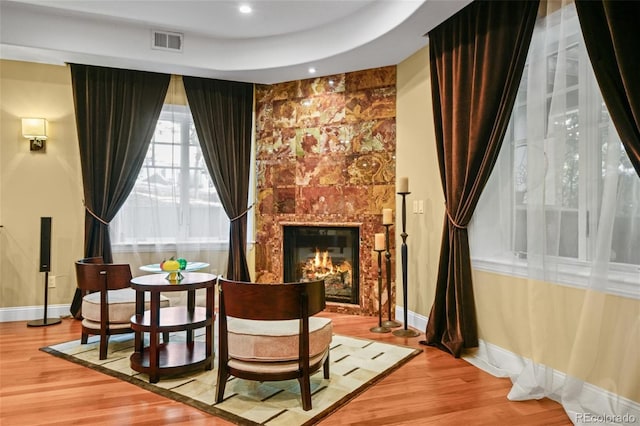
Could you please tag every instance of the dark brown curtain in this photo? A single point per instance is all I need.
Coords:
(222, 113)
(116, 114)
(611, 31)
(477, 58)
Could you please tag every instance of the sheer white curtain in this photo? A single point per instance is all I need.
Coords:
(174, 210)
(567, 201)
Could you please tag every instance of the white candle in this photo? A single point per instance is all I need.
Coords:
(379, 242)
(403, 184)
(387, 217)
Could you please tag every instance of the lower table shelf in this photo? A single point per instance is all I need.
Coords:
(174, 318)
(174, 358)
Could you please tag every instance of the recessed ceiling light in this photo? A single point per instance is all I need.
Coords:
(245, 8)
(312, 70)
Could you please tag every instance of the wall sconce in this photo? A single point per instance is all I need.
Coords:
(35, 129)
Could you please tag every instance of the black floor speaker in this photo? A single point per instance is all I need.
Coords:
(45, 244)
(45, 266)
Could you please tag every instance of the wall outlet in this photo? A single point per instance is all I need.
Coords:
(52, 281)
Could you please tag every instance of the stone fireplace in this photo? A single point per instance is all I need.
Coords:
(330, 253)
(325, 157)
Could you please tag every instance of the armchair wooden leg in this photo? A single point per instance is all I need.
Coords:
(305, 392)
(84, 338)
(165, 337)
(104, 344)
(325, 367)
(222, 383)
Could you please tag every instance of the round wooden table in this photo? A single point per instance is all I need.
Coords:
(168, 358)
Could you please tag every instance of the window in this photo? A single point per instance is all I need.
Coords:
(563, 189)
(174, 200)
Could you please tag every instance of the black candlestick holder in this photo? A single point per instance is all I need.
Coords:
(380, 328)
(389, 323)
(405, 332)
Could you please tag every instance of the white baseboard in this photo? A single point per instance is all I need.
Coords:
(417, 321)
(29, 313)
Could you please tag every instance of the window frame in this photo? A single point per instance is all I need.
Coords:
(623, 278)
(181, 115)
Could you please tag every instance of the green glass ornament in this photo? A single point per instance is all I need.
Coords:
(183, 263)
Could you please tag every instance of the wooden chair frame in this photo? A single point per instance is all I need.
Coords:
(93, 275)
(271, 302)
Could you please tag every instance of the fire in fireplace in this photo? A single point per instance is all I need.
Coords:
(330, 253)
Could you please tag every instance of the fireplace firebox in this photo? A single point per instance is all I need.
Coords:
(331, 253)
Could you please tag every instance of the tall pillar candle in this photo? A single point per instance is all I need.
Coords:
(379, 242)
(403, 185)
(387, 216)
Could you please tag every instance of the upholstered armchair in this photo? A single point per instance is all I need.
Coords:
(108, 300)
(268, 332)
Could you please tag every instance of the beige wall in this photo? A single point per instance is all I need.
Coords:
(417, 159)
(38, 184)
(587, 334)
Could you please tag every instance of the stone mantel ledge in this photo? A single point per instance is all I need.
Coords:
(305, 223)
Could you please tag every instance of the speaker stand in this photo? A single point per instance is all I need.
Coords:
(45, 321)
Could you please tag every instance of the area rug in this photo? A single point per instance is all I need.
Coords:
(356, 364)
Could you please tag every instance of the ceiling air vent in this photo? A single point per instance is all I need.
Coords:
(164, 40)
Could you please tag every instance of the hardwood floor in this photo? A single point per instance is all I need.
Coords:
(432, 389)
